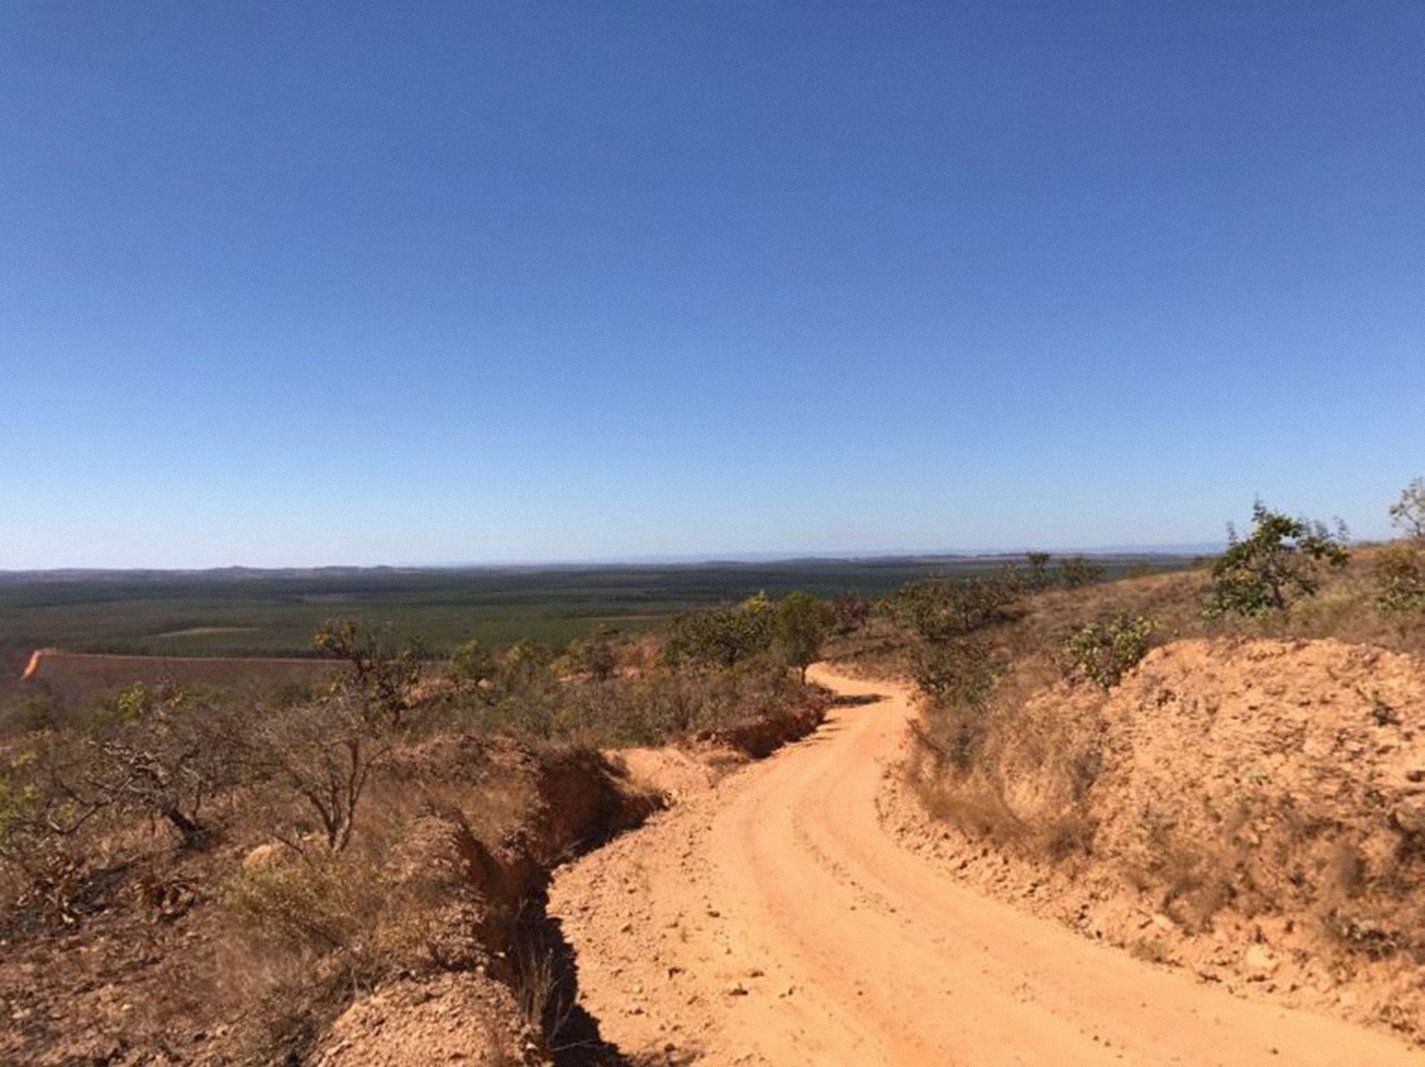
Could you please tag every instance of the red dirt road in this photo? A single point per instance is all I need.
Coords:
(773, 920)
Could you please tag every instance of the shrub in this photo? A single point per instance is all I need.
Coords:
(596, 656)
(1400, 579)
(724, 637)
(1277, 563)
(800, 623)
(1408, 513)
(944, 609)
(1106, 650)
(324, 752)
(1079, 571)
(849, 612)
(958, 676)
(472, 662)
(384, 672)
(1038, 568)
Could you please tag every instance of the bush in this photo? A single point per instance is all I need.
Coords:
(1079, 571)
(800, 623)
(385, 672)
(958, 676)
(944, 609)
(724, 637)
(1400, 579)
(596, 656)
(1279, 562)
(1408, 513)
(472, 662)
(1104, 651)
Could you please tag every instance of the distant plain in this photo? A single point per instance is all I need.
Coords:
(241, 612)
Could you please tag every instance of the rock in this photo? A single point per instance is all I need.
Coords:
(737, 989)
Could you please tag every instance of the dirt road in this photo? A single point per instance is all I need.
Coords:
(773, 920)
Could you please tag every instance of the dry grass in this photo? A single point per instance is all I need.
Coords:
(975, 758)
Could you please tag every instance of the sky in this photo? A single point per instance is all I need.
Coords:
(353, 283)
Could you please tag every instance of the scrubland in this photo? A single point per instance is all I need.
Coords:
(351, 870)
(1221, 769)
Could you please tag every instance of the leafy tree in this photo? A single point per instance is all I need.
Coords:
(1075, 572)
(1104, 651)
(1408, 513)
(800, 624)
(723, 637)
(1038, 568)
(1400, 579)
(1280, 561)
(958, 676)
(945, 608)
(596, 656)
(472, 662)
(1400, 569)
(385, 674)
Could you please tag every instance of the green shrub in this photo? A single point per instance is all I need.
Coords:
(1400, 579)
(1279, 562)
(958, 676)
(941, 610)
(472, 662)
(724, 637)
(800, 623)
(1106, 650)
(1079, 571)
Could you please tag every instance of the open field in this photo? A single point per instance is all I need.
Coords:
(274, 613)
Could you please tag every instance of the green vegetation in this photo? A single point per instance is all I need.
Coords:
(274, 613)
(1280, 561)
(1400, 570)
(800, 625)
(1105, 650)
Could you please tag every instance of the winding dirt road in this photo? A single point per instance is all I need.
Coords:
(773, 920)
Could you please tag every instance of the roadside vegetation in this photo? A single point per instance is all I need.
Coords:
(274, 859)
(1166, 740)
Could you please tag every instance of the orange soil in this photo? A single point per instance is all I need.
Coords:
(774, 919)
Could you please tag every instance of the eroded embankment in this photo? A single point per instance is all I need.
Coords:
(515, 961)
(774, 919)
(1250, 811)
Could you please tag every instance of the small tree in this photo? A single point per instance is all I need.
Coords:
(849, 612)
(959, 676)
(1400, 579)
(385, 674)
(596, 656)
(1038, 568)
(1075, 572)
(1280, 561)
(946, 608)
(1104, 651)
(324, 752)
(723, 637)
(472, 662)
(1408, 513)
(1400, 568)
(799, 626)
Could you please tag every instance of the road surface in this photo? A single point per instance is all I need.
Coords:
(773, 920)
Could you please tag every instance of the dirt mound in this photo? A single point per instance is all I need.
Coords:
(1252, 809)
(762, 736)
(457, 1018)
(1275, 776)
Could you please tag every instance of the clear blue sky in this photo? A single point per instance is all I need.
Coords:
(297, 283)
